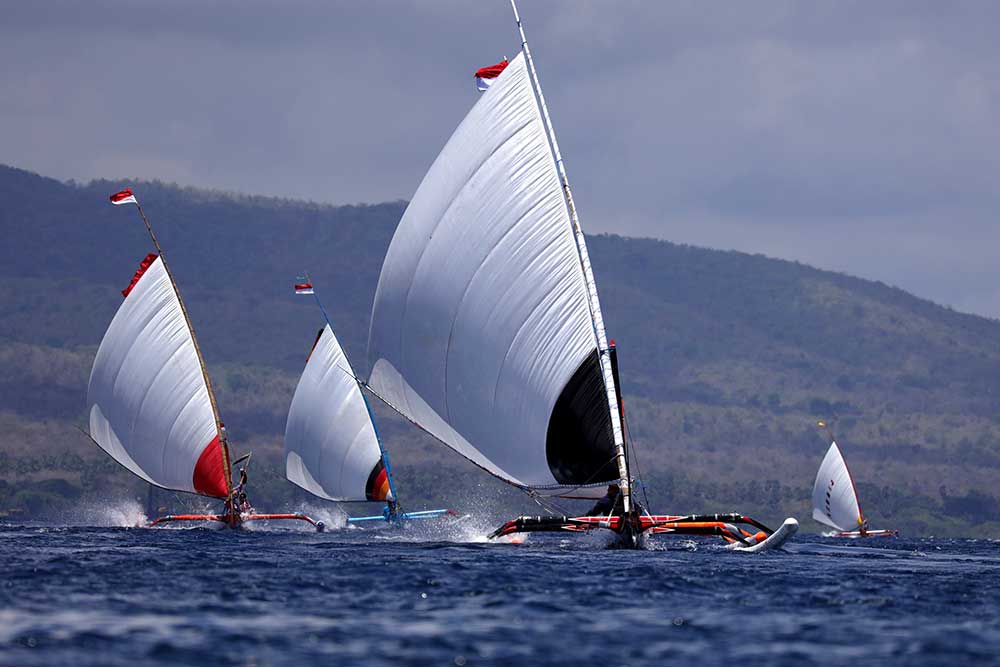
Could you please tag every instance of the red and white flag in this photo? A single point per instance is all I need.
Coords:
(304, 288)
(124, 197)
(485, 76)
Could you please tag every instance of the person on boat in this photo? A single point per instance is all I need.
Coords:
(244, 504)
(240, 501)
(242, 485)
(610, 503)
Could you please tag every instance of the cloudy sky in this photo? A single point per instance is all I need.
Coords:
(861, 137)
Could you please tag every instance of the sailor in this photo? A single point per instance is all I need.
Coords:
(611, 503)
(239, 493)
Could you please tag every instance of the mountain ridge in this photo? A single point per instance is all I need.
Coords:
(727, 357)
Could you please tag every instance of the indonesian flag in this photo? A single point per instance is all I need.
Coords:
(304, 288)
(124, 197)
(487, 75)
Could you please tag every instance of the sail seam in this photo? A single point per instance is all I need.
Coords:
(423, 253)
(461, 301)
(142, 401)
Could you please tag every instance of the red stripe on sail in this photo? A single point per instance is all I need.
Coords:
(145, 264)
(377, 487)
(209, 477)
(493, 71)
(382, 485)
(304, 286)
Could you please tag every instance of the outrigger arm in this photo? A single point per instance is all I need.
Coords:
(400, 517)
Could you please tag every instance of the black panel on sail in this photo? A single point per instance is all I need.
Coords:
(580, 444)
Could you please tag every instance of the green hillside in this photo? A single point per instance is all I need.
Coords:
(727, 359)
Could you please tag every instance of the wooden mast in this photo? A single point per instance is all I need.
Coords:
(224, 448)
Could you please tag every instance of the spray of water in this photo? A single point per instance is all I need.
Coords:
(332, 516)
(127, 513)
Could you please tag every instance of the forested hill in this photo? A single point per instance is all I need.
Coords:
(727, 358)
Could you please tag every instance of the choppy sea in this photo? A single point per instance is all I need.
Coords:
(443, 595)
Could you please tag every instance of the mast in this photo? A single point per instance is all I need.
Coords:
(224, 448)
(371, 416)
(588, 275)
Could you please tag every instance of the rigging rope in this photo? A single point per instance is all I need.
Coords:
(638, 468)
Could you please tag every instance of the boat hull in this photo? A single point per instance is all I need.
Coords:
(235, 520)
(630, 531)
(855, 534)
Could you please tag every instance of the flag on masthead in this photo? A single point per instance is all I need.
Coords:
(124, 197)
(486, 75)
(304, 288)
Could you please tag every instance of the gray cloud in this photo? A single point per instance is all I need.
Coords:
(851, 136)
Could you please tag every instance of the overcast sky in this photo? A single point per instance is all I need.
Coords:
(862, 137)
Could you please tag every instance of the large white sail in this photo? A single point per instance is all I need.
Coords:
(148, 402)
(481, 329)
(835, 500)
(331, 448)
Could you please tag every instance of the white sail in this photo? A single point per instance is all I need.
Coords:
(331, 448)
(835, 500)
(481, 329)
(147, 398)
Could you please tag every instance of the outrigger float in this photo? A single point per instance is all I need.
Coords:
(333, 448)
(487, 331)
(150, 400)
(835, 497)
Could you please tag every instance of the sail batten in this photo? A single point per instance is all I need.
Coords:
(482, 317)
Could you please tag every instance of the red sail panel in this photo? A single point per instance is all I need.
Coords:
(209, 475)
(377, 488)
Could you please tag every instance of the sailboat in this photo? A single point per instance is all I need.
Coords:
(150, 401)
(333, 449)
(487, 329)
(835, 497)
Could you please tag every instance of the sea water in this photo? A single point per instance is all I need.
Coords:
(283, 595)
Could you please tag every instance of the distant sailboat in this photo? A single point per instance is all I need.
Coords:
(332, 447)
(835, 497)
(487, 329)
(150, 400)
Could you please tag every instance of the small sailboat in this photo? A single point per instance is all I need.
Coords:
(487, 329)
(835, 497)
(333, 449)
(150, 401)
